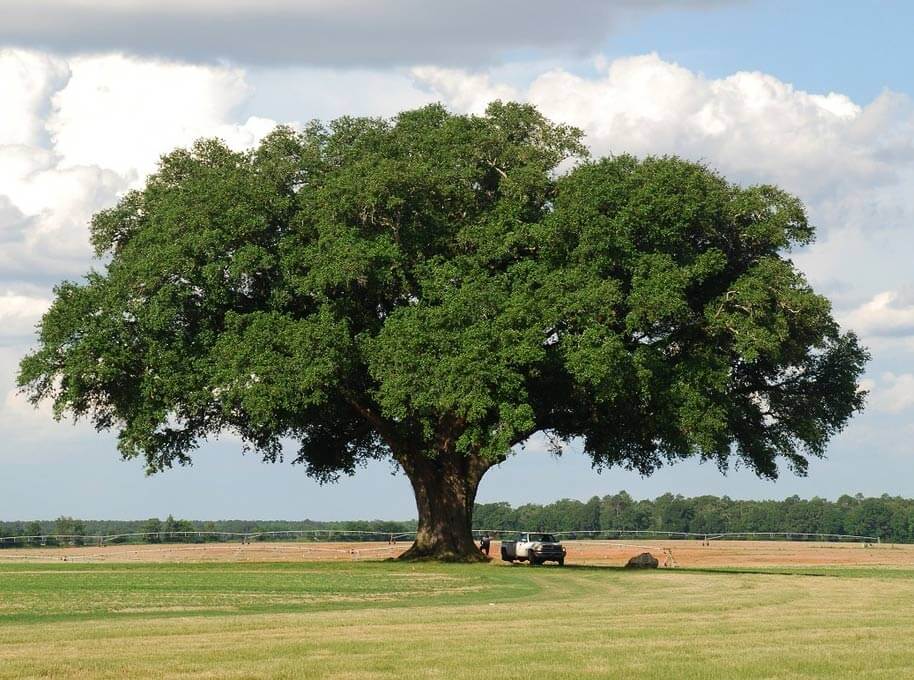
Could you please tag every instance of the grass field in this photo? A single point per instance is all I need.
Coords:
(374, 619)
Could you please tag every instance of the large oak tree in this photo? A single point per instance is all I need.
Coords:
(437, 288)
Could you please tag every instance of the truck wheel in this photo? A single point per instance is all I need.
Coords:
(561, 562)
(532, 559)
(504, 556)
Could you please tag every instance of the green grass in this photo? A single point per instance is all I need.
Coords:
(390, 620)
(32, 593)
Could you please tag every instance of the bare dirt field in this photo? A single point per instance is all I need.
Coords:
(293, 551)
(681, 553)
(745, 554)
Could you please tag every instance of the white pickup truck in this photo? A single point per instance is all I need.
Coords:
(535, 548)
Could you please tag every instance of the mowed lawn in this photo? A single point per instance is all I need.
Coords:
(391, 620)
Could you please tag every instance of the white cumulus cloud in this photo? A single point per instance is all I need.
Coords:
(750, 125)
(469, 92)
(76, 133)
(887, 314)
(893, 393)
(27, 80)
(19, 313)
(122, 113)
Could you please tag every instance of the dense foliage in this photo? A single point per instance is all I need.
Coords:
(890, 518)
(430, 289)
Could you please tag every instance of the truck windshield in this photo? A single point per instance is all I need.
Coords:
(543, 538)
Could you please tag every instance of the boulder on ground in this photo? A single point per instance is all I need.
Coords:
(643, 561)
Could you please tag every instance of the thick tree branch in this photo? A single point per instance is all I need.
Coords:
(384, 428)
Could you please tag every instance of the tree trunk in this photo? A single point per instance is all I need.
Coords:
(445, 489)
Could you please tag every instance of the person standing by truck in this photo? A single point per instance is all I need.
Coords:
(484, 543)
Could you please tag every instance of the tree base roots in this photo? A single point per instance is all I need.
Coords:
(442, 554)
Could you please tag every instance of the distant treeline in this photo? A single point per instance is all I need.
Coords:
(173, 530)
(887, 517)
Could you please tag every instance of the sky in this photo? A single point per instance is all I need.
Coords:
(817, 97)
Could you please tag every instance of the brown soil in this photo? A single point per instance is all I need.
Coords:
(211, 552)
(744, 553)
(683, 553)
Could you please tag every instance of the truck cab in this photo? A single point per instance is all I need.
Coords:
(534, 547)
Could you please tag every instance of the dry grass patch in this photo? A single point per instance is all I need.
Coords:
(386, 620)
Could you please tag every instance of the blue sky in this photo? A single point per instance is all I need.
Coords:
(820, 46)
(815, 96)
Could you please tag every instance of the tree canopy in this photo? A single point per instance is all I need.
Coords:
(435, 289)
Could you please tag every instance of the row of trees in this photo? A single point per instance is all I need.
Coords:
(886, 517)
(61, 530)
(67, 530)
(182, 530)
